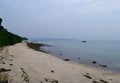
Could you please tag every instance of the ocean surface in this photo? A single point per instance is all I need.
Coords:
(104, 52)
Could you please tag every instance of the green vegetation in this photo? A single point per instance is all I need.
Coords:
(8, 38)
(3, 78)
(25, 75)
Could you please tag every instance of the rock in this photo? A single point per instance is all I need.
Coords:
(52, 71)
(94, 62)
(46, 79)
(87, 73)
(11, 64)
(103, 81)
(95, 81)
(66, 59)
(87, 76)
(4, 70)
(79, 58)
(84, 41)
(103, 65)
(3, 62)
(51, 80)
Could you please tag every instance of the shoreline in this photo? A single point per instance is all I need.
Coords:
(39, 67)
(37, 46)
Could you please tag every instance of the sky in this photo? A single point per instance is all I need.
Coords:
(71, 19)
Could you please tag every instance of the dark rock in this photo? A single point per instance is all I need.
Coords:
(60, 54)
(103, 81)
(4, 70)
(37, 46)
(84, 41)
(52, 71)
(2, 57)
(94, 62)
(51, 80)
(66, 59)
(46, 80)
(55, 81)
(79, 58)
(103, 65)
(87, 76)
(11, 64)
(3, 62)
(87, 73)
(95, 81)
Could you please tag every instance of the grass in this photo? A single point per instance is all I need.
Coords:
(25, 75)
(41, 82)
(3, 77)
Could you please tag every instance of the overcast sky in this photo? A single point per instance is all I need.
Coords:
(77, 19)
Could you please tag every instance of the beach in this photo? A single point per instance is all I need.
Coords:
(27, 65)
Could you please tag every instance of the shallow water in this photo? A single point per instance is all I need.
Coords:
(106, 52)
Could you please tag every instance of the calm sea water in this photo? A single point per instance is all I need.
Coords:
(105, 52)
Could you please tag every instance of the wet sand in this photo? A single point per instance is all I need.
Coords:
(31, 66)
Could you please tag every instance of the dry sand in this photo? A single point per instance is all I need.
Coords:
(30, 66)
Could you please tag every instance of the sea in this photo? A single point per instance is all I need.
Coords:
(92, 52)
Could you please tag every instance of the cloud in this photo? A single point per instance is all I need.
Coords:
(82, 6)
(23, 6)
(95, 6)
(21, 3)
(100, 6)
(73, 1)
(116, 5)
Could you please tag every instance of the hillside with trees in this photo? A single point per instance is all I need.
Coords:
(8, 38)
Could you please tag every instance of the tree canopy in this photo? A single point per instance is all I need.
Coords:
(8, 38)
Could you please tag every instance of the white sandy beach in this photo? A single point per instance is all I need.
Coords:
(38, 67)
